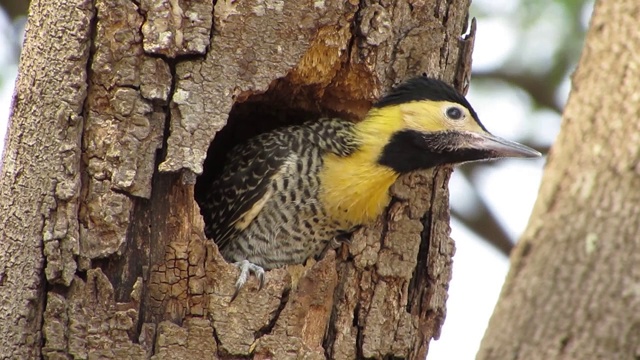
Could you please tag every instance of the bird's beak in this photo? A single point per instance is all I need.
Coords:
(495, 147)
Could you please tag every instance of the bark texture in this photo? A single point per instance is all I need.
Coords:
(40, 188)
(102, 252)
(573, 291)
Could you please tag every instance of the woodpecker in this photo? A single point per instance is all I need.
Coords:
(290, 194)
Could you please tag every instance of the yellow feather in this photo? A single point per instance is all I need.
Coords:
(355, 189)
(355, 192)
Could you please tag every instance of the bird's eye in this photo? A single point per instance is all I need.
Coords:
(454, 113)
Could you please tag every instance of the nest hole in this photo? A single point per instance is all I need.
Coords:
(253, 114)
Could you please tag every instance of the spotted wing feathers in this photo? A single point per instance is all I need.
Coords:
(237, 197)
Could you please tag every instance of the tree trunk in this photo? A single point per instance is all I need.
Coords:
(573, 288)
(102, 252)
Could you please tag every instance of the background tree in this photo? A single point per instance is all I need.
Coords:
(572, 292)
(116, 105)
(522, 60)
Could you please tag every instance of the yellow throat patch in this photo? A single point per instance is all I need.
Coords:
(355, 189)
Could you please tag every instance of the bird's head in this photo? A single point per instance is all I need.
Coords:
(425, 122)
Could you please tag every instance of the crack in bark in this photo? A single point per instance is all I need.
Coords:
(167, 111)
(216, 339)
(422, 262)
(359, 333)
(276, 315)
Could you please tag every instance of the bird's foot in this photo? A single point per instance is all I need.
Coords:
(246, 268)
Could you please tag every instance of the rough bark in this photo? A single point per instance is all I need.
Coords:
(40, 187)
(116, 106)
(572, 291)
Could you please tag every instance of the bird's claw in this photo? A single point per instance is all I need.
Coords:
(246, 268)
